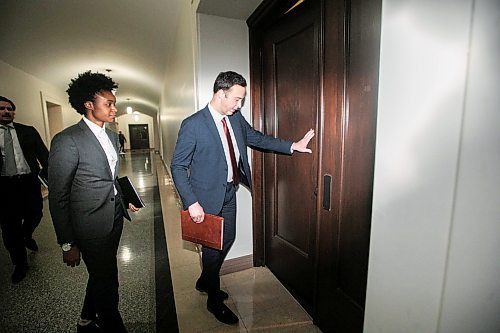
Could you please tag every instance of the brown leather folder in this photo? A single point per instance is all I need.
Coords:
(208, 233)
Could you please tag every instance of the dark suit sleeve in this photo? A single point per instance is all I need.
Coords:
(34, 150)
(42, 154)
(181, 161)
(63, 163)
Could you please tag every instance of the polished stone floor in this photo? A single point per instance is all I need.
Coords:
(157, 272)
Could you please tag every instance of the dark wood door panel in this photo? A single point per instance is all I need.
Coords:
(350, 91)
(296, 103)
(291, 108)
(316, 64)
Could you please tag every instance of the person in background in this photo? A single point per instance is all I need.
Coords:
(209, 161)
(85, 200)
(23, 152)
(121, 138)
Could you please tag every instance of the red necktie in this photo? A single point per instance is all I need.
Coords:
(236, 173)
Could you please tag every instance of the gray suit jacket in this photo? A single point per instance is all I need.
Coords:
(199, 167)
(81, 193)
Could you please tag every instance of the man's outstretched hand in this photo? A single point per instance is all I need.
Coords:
(301, 146)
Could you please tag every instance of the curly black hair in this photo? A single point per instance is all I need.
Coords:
(225, 80)
(86, 86)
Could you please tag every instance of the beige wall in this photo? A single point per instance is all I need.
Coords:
(178, 95)
(30, 95)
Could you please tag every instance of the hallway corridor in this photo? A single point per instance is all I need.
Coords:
(157, 277)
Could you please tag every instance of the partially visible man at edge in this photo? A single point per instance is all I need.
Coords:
(85, 200)
(23, 151)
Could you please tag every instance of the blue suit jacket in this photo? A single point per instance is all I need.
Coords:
(199, 167)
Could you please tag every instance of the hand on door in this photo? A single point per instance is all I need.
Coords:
(301, 146)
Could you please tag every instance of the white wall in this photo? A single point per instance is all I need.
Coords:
(223, 46)
(135, 119)
(471, 295)
(434, 263)
(29, 94)
(179, 92)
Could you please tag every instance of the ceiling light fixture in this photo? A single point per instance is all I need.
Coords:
(129, 108)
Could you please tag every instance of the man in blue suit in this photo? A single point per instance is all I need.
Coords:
(209, 161)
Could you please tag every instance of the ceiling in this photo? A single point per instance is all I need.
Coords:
(55, 40)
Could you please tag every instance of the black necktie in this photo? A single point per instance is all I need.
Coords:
(236, 174)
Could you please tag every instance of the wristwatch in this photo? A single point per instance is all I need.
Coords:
(66, 247)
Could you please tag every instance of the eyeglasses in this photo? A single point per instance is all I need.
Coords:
(8, 108)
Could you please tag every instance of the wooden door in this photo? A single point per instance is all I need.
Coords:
(139, 136)
(315, 64)
(291, 96)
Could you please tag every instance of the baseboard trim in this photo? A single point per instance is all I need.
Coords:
(237, 264)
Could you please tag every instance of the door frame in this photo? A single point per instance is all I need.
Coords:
(46, 101)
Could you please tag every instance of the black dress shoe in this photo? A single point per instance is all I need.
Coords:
(222, 313)
(221, 294)
(19, 273)
(31, 244)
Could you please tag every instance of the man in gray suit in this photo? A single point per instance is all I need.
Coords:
(209, 161)
(85, 201)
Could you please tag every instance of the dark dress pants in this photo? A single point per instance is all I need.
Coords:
(212, 259)
(22, 199)
(101, 297)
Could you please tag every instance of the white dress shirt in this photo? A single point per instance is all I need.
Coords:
(106, 144)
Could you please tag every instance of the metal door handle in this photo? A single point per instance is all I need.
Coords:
(327, 189)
